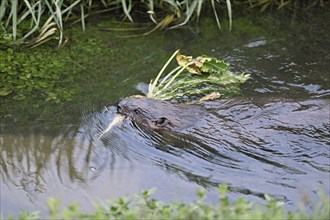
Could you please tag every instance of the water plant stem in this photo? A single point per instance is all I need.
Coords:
(153, 85)
(160, 90)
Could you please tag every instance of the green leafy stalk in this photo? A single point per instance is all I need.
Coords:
(172, 79)
(195, 77)
(153, 85)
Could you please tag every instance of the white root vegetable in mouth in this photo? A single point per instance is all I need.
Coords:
(118, 119)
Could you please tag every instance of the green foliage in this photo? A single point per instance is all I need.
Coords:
(142, 206)
(195, 77)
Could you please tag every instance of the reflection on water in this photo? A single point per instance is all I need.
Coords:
(277, 147)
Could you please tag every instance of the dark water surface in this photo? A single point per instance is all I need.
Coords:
(274, 138)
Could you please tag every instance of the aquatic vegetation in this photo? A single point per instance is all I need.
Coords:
(144, 207)
(200, 76)
(43, 73)
(23, 75)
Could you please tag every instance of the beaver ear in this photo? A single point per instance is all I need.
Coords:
(161, 122)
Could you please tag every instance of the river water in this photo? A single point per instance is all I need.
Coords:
(272, 139)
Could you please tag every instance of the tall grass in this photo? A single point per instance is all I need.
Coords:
(37, 21)
(43, 20)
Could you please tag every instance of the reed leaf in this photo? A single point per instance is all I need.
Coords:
(59, 20)
(54, 17)
(14, 18)
(215, 14)
(82, 17)
(9, 18)
(230, 18)
(31, 9)
(174, 4)
(69, 8)
(189, 12)
(46, 25)
(104, 3)
(37, 22)
(48, 33)
(3, 6)
(151, 11)
(199, 9)
(127, 9)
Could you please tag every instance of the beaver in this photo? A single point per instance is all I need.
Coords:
(231, 115)
(160, 115)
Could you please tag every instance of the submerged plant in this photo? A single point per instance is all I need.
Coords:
(200, 76)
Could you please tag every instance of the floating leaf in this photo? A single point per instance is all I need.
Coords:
(212, 65)
(211, 96)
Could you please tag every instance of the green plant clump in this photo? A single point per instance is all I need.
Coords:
(194, 77)
(143, 207)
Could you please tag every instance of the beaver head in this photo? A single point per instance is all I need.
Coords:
(156, 114)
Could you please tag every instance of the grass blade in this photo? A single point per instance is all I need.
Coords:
(3, 5)
(70, 7)
(59, 20)
(82, 17)
(229, 13)
(189, 12)
(31, 9)
(14, 18)
(47, 34)
(174, 4)
(151, 11)
(37, 22)
(215, 14)
(199, 9)
(127, 9)
(47, 24)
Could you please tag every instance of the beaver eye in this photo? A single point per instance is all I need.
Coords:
(119, 109)
(136, 111)
(161, 120)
